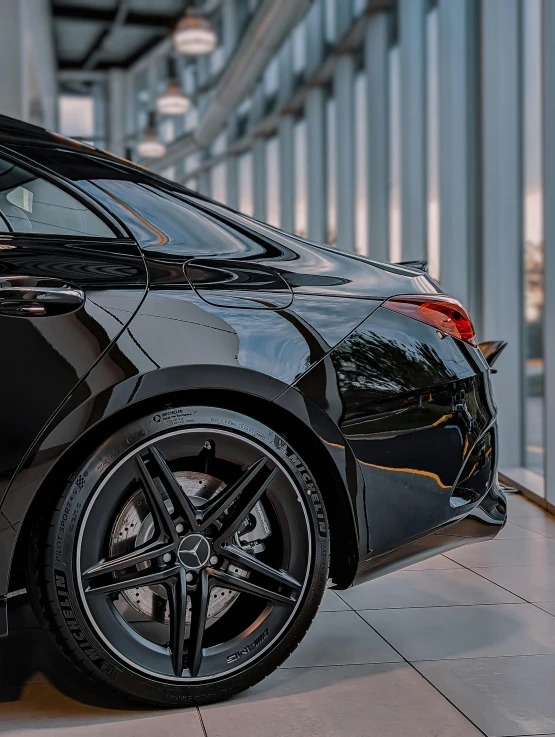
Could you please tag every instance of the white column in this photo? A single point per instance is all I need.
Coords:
(286, 133)
(412, 29)
(204, 182)
(376, 45)
(11, 60)
(343, 17)
(115, 111)
(502, 213)
(458, 184)
(286, 73)
(259, 178)
(549, 244)
(315, 112)
(343, 82)
(315, 37)
(232, 182)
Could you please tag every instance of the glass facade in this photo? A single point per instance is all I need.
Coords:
(463, 59)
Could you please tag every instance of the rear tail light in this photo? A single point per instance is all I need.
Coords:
(443, 313)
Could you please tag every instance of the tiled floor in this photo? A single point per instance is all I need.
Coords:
(461, 645)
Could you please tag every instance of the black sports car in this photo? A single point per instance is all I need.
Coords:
(206, 420)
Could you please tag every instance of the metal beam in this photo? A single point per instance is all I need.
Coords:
(94, 52)
(99, 16)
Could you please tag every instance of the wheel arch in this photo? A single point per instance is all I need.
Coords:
(286, 421)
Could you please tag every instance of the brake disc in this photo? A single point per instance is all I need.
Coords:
(134, 526)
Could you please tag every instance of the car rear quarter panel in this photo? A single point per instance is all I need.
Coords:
(412, 404)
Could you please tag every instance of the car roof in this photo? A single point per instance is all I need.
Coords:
(17, 131)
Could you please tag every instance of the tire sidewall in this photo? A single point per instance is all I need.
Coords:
(60, 560)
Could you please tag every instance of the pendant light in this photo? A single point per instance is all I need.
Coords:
(194, 35)
(173, 101)
(151, 147)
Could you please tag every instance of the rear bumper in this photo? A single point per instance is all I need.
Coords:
(483, 522)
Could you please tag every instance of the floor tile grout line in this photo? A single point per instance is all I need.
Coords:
(450, 606)
(476, 571)
(443, 696)
(483, 657)
(340, 665)
(528, 529)
(537, 605)
(204, 732)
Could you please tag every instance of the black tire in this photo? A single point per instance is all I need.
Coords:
(126, 639)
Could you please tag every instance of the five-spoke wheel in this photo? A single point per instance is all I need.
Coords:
(192, 560)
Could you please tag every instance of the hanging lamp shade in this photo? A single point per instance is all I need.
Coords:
(173, 101)
(151, 147)
(194, 35)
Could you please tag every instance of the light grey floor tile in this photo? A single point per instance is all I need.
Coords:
(467, 631)
(351, 701)
(516, 552)
(519, 506)
(544, 525)
(438, 562)
(42, 709)
(426, 588)
(533, 583)
(341, 638)
(502, 696)
(514, 529)
(333, 603)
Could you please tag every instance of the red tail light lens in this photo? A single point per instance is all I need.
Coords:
(443, 313)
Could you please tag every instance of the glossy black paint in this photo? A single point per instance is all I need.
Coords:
(193, 300)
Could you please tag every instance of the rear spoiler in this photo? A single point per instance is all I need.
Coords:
(420, 265)
(492, 349)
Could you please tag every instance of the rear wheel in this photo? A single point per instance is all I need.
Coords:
(186, 559)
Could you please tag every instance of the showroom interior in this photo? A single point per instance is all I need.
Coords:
(402, 131)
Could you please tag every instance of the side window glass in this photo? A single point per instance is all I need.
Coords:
(30, 204)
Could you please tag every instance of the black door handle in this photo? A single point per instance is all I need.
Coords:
(22, 297)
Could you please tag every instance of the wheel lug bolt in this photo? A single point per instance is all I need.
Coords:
(213, 560)
(167, 557)
(179, 528)
(189, 577)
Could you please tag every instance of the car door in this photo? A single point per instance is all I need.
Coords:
(64, 269)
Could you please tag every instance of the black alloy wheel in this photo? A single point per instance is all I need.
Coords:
(186, 559)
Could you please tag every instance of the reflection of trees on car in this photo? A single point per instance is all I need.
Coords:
(378, 364)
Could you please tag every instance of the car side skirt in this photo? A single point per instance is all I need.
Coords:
(484, 522)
